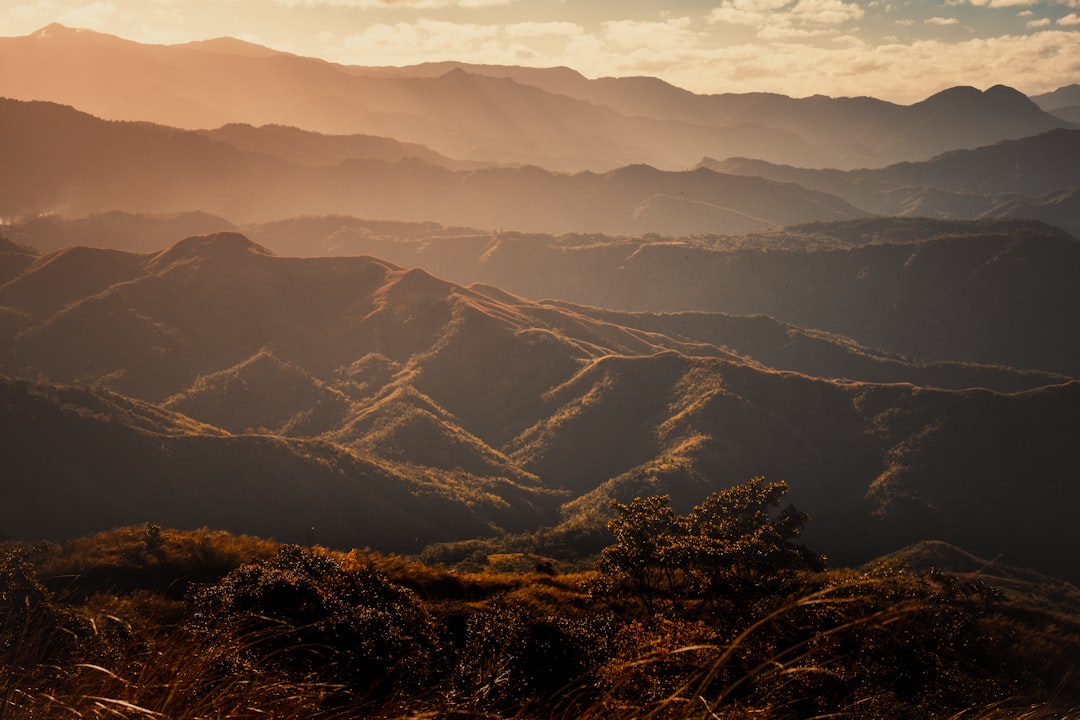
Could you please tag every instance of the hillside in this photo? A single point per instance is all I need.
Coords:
(553, 117)
(126, 461)
(433, 392)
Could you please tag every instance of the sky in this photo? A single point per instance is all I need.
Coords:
(898, 50)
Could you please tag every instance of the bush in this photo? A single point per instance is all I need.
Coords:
(37, 636)
(515, 653)
(308, 613)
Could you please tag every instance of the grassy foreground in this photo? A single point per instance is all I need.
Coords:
(147, 623)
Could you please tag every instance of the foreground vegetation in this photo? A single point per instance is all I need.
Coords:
(718, 613)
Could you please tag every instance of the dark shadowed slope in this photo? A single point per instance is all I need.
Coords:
(125, 462)
(14, 258)
(876, 465)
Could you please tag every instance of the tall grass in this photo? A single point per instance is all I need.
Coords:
(836, 644)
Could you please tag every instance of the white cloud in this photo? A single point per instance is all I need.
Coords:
(826, 12)
(392, 4)
(1041, 22)
(941, 21)
(785, 19)
(1070, 19)
(95, 15)
(632, 34)
(543, 29)
(1003, 3)
(407, 43)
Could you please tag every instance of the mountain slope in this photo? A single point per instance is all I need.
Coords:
(127, 462)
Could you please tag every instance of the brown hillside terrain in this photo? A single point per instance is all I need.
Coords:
(503, 407)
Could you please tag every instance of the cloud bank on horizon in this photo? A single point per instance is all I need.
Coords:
(900, 50)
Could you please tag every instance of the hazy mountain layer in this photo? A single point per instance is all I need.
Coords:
(436, 412)
(986, 182)
(59, 160)
(554, 118)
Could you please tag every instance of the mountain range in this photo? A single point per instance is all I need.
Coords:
(463, 307)
(66, 162)
(451, 412)
(62, 161)
(554, 118)
(1014, 178)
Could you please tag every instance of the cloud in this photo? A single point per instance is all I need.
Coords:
(785, 19)
(1003, 3)
(941, 21)
(1041, 22)
(543, 29)
(408, 43)
(1070, 19)
(393, 4)
(826, 12)
(95, 16)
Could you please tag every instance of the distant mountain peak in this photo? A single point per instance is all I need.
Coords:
(53, 30)
(215, 245)
(232, 46)
(59, 32)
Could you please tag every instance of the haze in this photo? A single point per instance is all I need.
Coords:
(797, 48)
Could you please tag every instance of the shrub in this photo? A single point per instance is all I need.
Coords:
(308, 613)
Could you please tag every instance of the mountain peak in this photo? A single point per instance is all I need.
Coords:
(232, 46)
(219, 245)
(53, 30)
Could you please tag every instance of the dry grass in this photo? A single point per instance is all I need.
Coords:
(836, 644)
